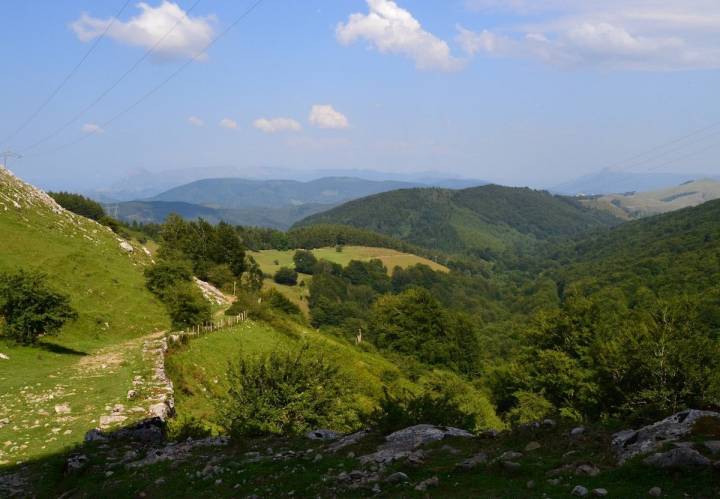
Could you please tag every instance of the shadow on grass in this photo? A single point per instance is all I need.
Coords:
(59, 349)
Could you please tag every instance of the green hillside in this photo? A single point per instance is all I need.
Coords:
(642, 204)
(92, 361)
(488, 218)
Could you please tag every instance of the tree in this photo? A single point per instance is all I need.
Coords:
(29, 308)
(305, 261)
(186, 306)
(286, 276)
(167, 273)
(79, 205)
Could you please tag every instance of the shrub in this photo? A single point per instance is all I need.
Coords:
(530, 407)
(284, 393)
(187, 306)
(286, 276)
(278, 301)
(221, 275)
(166, 274)
(305, 261)
(29, 308)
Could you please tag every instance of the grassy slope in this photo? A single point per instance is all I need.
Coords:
(299, 294)
(106, 287)
(644, 204)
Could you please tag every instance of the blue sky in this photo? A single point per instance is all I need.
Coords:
(514, 91)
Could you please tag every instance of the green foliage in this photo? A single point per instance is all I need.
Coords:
(278, 301)
(29, 308)
(79, 205)
(252, 278)
(414, 323)
(286, 276)
(221, 276)
(529, 408)
(409, 409)
(186, 306)
(167, 273)
(304, 261)
(284, 394)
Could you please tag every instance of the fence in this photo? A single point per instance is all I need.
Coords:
(207, 328)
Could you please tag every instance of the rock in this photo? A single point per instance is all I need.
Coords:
(113, 419)
(489, 434)
(511, 466)
(655, 492)
(4, 422)
(397, 477)
(76, 462)
(95, 435)
(472, 462)
(416, 458)
(317, 458)
(680, 457)
(323, 435)
(576, 432)
(580, 491)
(532, 446)
(398, 445)
(347, 440)
(530, 484)
(449, 449)
(629, 443)
(376, 489)
(713, 446)
(63, 408)
(599, 492)
(510, 456)
(550, 423)
(4, 357)
(554, 481)
(132, 394)
(126, 246)
(425, 484)
(160, 410)
(587, 470)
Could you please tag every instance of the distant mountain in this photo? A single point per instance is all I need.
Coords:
(243, 193)
(157, 211)
(480, 219)
(610, 181)
(641, 204)
(143, 184)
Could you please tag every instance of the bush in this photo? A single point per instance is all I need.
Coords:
(166, 274)
(187, 306)
(284, 393)
(221, 276)
(530, 407)
(278, 301)
(286, 276)
(305, 261)
(29, 308)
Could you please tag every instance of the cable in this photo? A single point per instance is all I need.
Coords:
(117, 82)
(66, 79)
(164, 82)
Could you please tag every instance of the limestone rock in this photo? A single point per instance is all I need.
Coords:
(126, 246)
(322, 434)
(655, 492)
(600, 492)
(531, 446)
(397, 477)
(425, 484)
(4, 357)
(680, 457)
(629, 443)
(473, 462)
(580, 491)
(63, 408)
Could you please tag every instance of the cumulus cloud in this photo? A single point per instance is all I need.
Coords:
(612, 34)
(188, 35)
(92, 128)
(392, 29)
(228, 123)
(325, 116)
(274, 125)
(195, 121)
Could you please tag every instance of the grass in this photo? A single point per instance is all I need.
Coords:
(390, 258)
(106, 287)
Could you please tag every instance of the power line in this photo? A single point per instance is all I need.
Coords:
(164, 82)
(117, 82)
(66, 79)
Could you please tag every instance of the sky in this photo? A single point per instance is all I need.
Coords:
(520, 92)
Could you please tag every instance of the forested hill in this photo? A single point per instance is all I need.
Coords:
(487, 218)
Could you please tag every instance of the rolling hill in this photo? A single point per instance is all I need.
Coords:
(487, 218)
(641, 204)
(609, 181)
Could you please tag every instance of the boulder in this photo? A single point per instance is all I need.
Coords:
(472, 462)
(630, 443)
(587, 470)
(425, 484)
(510, 456)
(576, 432)
(713, 446)
(322, 434)
(126, 246)
(400, 444)
(348, 440)
(397, 477)
(75, 463)
(655, 492)
(600, 492)
(4, 357)
(95, 435)
(580, 491)
(531, 446)
(680, 457)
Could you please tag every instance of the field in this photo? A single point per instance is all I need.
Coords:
(390, 258)
(52, 393)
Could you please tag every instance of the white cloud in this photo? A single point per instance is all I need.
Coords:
(392, 29)
(195, 121)
(92, 128)
(324, 116)
(611, 34)
(228, 123)
(274, 125)
(188, 38)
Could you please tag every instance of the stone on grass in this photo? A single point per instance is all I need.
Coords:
(322, 434)
(63, 408)
(680, 457)
(655, 492)
(587, 470)
(472, 462)
(510, 455)
(713, 446)
(532, 446)
(426, 484)
(4, 357)
(580, 491)
(599, 492)
(76, 462)
(576, 432)
(511, 466)
(397, 477)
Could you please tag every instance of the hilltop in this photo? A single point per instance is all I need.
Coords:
(487, 219)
